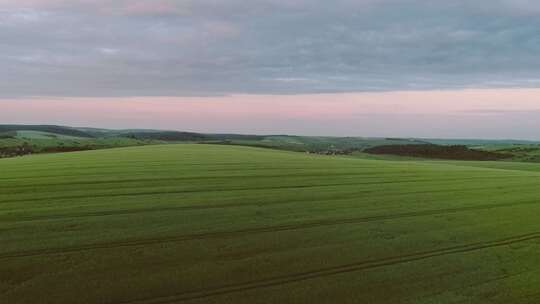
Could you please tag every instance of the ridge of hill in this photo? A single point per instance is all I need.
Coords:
(16, 140)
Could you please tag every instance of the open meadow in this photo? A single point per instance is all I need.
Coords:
(195, 223)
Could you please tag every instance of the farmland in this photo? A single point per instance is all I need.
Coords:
(19, 140)
(192, 223)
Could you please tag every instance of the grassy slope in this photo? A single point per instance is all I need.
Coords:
(45, 128)
(43, 138)
(225, 224)
(39, 141)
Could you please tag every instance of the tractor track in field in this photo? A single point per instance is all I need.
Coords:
(192, 191)
(335, 270)
(33, 186)
(249, 231)
(159, 165)
(233, 189)
(131, 211)
(130, 164)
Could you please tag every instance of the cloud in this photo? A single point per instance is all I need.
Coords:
(213, 47)
(490, 113)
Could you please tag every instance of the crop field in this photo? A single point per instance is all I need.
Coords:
(193, 223)
(45, 142)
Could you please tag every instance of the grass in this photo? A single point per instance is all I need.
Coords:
(228, 224)
(46, 142)
(17, 140)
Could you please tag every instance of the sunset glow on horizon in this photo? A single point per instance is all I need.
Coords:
(470, 113)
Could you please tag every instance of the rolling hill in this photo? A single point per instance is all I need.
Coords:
(59, 130)
(17, 140)
(30, 139)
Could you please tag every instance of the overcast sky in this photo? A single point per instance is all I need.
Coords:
(106, 51)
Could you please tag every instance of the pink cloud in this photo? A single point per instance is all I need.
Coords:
(459, 113)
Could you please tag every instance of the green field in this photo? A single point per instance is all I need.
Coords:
(45, 139)
(228, 224)
(19, 140)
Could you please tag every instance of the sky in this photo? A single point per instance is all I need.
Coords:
(415, 68)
